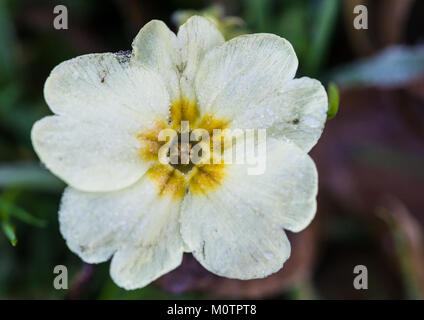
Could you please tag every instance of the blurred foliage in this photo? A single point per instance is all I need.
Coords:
(378, 137)
(393, 67)
(308, 25)
(404, 232)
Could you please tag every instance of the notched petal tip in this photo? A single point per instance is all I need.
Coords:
(277, 43)
(151, 29)
(152, 38)
(132, 273)
(237, 76)
(156, 47)
(247, 263)
(201, 25)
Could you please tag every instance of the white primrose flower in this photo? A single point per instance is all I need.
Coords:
(123, 203)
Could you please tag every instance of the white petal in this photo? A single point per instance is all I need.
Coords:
(249, 81)
(107, 88)
(138, 226)
(298, 111)
(237, 230)
(103, 101)
(287, 188)
(237, 74)
(88, 156)
(156, 47)
(134, 267)
(196, 37)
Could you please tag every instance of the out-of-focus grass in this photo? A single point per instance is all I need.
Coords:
(308, 25)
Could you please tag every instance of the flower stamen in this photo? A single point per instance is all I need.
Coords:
(181, 173)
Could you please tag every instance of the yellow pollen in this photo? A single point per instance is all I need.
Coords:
(169, 181)
(176, 180)
(150, 143)
(183, 110)
(206, 178)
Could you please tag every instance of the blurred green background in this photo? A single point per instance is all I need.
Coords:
(370, 158)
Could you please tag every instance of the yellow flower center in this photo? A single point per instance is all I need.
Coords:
(176, 179)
